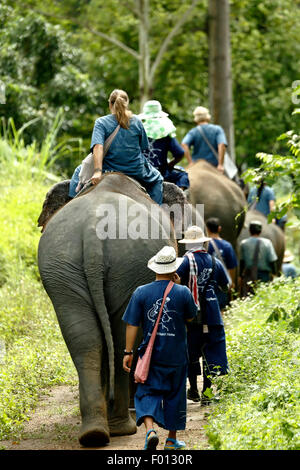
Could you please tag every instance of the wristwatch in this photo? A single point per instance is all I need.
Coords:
(98, 169)
(128, 353)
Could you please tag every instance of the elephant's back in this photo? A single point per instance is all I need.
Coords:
(221, 198)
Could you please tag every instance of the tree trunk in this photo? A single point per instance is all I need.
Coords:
(144, 61)
(220, 80)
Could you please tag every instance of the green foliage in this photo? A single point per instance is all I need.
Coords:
(275, 167)
(265, 60)
(35, 353)
(43, 72)
(258, 401)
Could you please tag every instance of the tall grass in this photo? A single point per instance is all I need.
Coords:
(35, 353)
(34, 160)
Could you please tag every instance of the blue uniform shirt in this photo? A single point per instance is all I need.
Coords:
(170, 346)
(125, 153)
(263, 205)
(158, 150)
(204, 263)
(227, 252)
(214, 134)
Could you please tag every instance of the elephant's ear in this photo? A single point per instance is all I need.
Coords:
(56, 198)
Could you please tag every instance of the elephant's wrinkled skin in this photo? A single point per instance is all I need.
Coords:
(270, 231)
(222, 198)
(89, 282)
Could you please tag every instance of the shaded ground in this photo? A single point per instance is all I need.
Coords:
(55, 423)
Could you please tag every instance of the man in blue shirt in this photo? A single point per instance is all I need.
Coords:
(202, 273)
(224, 251)
(212, 133)
(162, 398)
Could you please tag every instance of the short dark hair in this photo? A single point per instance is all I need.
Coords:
(255, 229)
(213, 224)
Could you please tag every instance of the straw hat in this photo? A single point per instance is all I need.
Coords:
(194, 234)
(165, 261)
(288, 256)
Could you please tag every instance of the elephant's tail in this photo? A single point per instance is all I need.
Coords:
(99, 302)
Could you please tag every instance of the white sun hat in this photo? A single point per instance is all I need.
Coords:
(194, 234)
(165, 261)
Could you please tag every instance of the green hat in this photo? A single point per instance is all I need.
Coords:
(156, 123)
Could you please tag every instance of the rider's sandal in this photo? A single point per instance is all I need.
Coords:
(176, 445)
(152, 441)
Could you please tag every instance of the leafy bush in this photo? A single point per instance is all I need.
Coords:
(259, 405)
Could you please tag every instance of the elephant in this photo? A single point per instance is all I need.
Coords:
(90, 279)
(270, 231)
(222, 198)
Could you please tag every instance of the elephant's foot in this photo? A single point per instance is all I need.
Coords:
(93, 433)
(124, 427)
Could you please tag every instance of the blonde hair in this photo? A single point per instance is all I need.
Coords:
(119, 101)
(201, 114)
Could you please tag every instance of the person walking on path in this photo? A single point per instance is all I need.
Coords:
(199, 136)
(202, 273)
(224, 251)
(125, 153)
(162, 398)
(257, 258)
(161, 134)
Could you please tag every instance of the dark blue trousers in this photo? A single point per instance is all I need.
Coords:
(163, 397)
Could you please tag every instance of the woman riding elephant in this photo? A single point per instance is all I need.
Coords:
(125, 153)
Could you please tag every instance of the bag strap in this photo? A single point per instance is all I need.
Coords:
(110, 139)
(208, 142)
(153, 335)
(255, 256)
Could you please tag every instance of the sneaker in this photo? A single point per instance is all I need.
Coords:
(152, 441)
(193, 395)
(176, 445)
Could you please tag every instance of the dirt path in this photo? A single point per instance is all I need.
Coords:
(55, 423)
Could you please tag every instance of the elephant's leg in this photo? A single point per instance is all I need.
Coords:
(119, 418)
(81, 330)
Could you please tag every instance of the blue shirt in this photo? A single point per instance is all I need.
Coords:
(227, 252)
(158, 150)
(289, 270)
(170, 346)
(212, 314)
(126, 151)
(263, 205)
(214, 134)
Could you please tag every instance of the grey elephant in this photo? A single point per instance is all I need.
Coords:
(270, 231)
(89, 279)
(222, 198)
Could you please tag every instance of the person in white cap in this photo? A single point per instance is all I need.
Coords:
(162, 398)
(202, 273)
(288, 268)
(208, 140)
